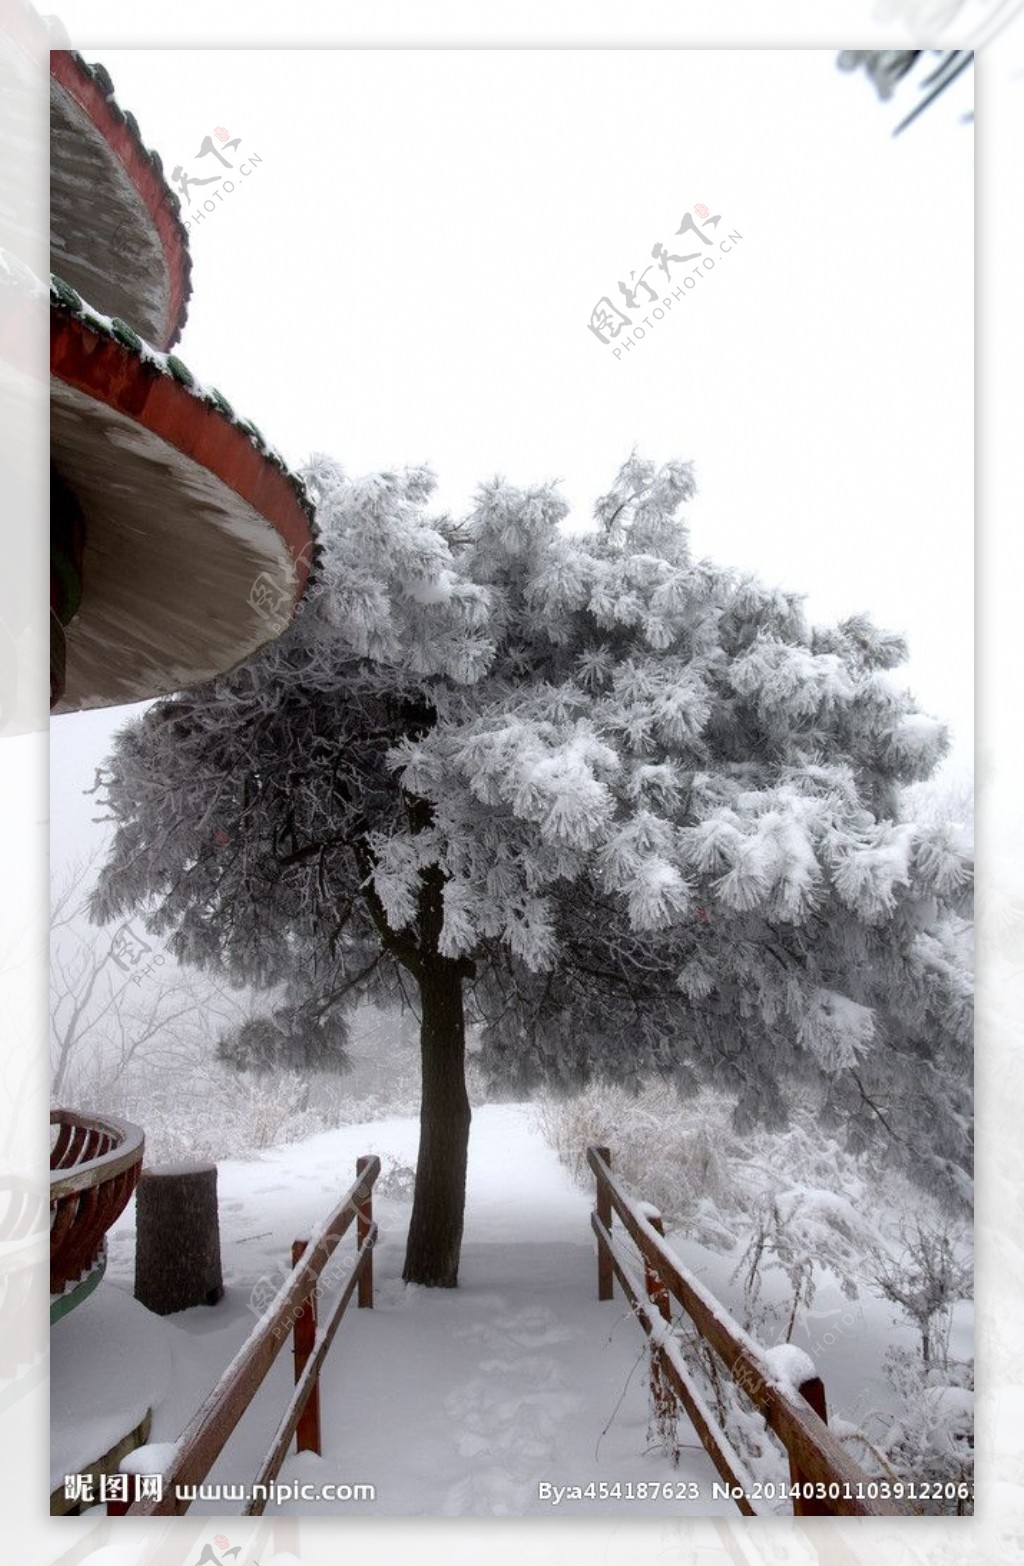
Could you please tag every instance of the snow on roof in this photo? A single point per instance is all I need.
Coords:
(100, 77)
(66, 299)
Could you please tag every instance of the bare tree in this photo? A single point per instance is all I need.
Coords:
(117, 1001)
(886, 68)
(929, 1275)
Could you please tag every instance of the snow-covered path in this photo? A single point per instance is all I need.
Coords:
(447, 1402)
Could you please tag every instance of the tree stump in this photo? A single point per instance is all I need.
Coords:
(177, 1242)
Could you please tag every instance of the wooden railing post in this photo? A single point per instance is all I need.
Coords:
(656, 1290)
(661, 1392)
(364, 1218)
(605, 1276)
(292, 1313)
(307, 1432)
(117, 1507)
(813, 1392)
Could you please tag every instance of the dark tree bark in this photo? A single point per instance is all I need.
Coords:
(439, 1195)
(435, 1229)
(177, 1244)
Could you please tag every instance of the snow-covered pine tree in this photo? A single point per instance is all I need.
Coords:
(627, 805)
(303, 1039)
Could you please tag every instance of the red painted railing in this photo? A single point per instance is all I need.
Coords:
(94, 1168)
(292, 1313)
(824, 1478)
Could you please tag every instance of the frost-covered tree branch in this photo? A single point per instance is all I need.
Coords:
(650, 809)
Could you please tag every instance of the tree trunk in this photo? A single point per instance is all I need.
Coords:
(435, 1229)
(177, 1244)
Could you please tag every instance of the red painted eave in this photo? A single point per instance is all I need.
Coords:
(113, 374)
(70, 73)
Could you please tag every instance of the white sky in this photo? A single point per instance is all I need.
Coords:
(408, 274)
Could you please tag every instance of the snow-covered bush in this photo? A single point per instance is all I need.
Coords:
(396, 1179)
(680, 1154)
(928, 1272)
(684, 1155)
(219, 1114)
(932, 1439)
(802, 1232)
(929, 1441)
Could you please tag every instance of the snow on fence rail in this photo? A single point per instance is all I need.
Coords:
(293, 1307)
(797, 1414)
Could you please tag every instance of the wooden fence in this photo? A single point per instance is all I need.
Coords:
(830, 1482)
(293, 1311)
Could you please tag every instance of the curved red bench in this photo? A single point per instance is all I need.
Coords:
(94, 1168)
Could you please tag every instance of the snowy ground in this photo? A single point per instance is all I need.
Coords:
(447, 1402)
